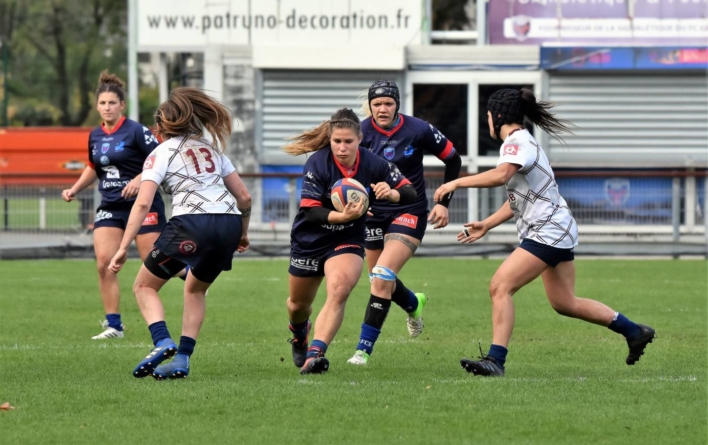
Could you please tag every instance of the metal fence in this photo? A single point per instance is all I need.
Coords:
(652, 206)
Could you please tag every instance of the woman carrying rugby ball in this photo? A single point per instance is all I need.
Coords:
(327, 242)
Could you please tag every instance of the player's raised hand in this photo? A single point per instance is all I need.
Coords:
(443, 190)
(131, 189)
(439, 216)
(473, 231)
(68, 195)
(118, 260)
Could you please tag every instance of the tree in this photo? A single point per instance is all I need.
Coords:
(58, 48)
(450, 15)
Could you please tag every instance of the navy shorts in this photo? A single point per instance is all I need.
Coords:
(548, 254)
(306, 264)
(110, 214)
(205, 242)
(377, 226)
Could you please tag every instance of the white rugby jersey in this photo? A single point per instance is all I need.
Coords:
(192, 172)
(540, 212)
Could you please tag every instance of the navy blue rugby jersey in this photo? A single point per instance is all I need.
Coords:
(322, 170)
(404, 145)
(118, 156)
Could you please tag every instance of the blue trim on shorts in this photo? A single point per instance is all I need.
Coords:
(548, 254)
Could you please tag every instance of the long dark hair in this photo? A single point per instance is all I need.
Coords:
(538, 113)
(188, 111)
(318, 137)
(110, 83)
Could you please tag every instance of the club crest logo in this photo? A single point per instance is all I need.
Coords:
(617, 191)
(188, 247)
(389, 153)
(522, 26)
(105, 147)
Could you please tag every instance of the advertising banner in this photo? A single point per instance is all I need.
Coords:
(199, 23)
(616, 22)
(624, 58)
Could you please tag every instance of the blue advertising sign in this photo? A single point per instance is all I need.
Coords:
(604, 58)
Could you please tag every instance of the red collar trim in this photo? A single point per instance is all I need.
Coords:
(120, 122)
(515, 130)
(392, 130)
(346, 171)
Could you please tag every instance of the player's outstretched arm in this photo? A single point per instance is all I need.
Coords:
(88, 176)
(138, 212)
(477, 229)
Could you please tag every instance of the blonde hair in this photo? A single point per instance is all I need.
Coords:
(188, 111)
(318, 137)
(110, 83)
(365, 109)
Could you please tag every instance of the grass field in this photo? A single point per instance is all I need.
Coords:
(24, 213)
(566, 380)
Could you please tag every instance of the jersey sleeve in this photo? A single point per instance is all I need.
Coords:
(227, 167)
(155, 166)
(146, 140)
(434, 142)
(314, 186)
(388, 172)
(90, 154)
(517, 152)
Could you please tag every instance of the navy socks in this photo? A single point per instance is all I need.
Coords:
(623, 325)
(114, 321)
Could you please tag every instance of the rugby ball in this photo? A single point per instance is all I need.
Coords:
(346, 190)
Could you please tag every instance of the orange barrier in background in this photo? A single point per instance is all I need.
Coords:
(50, 155)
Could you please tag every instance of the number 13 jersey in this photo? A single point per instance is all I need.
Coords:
(192, 171)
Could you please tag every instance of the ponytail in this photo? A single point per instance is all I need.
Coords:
(538, 113)
(189, 111)
(318, 137)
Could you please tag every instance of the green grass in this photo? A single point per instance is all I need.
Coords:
(24, 213)
(566, 380)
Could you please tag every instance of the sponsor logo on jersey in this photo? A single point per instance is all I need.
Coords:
(150, 219)
(112, 172)
(149, 137)
(374, 234)
(187, 247)
(510, 149)
(105, 160)
(347, 246)
(389, 153)
(408, 152)
(149, 163)
(112, 184)
(305, 263)
(407, 220)
(436, 134)
(101, 215)
(105, 147)
(120, 146)
(336, 227)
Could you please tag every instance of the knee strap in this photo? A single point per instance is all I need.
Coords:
(383, 273)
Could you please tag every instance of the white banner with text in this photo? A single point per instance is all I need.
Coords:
(198, 23)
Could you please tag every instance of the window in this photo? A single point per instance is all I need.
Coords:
(444, 106)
